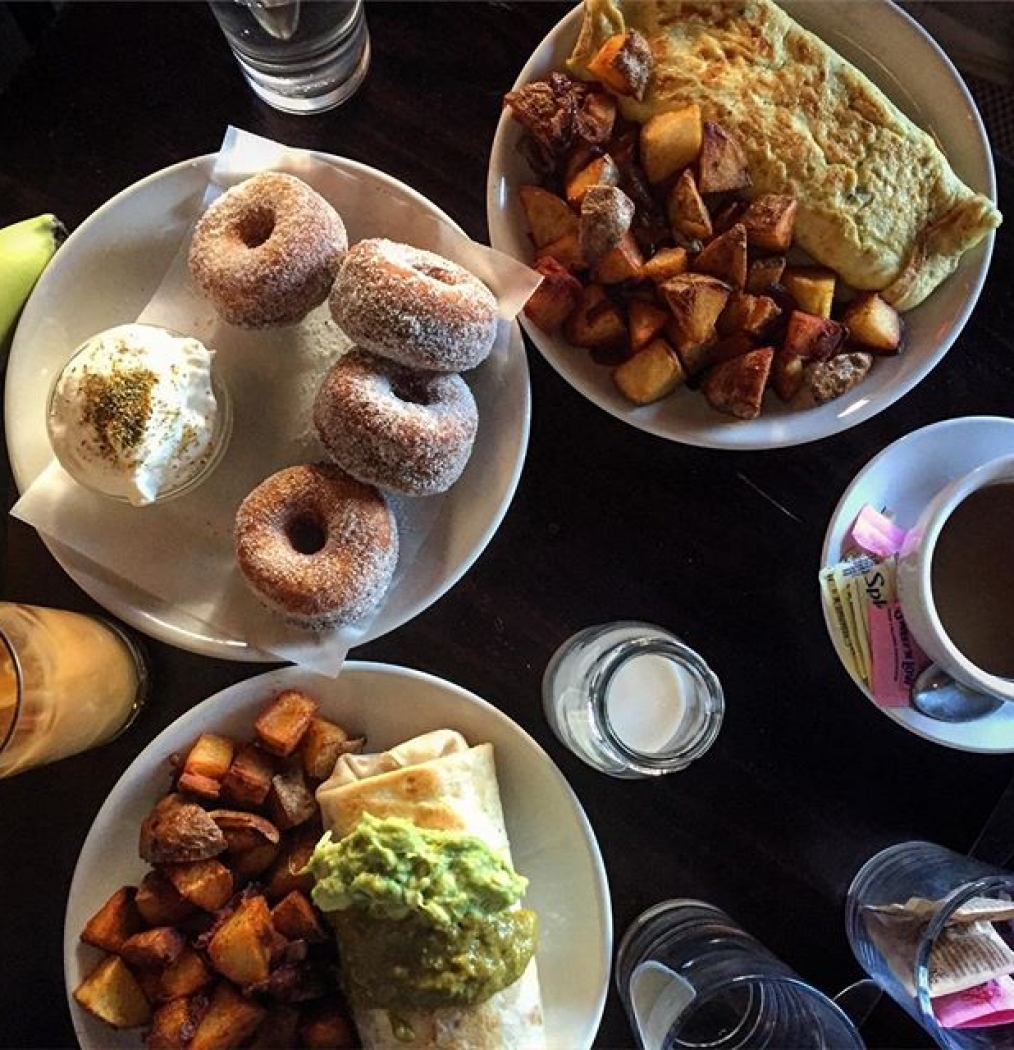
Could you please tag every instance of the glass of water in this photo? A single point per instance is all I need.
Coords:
(300, 56)
(690, 977)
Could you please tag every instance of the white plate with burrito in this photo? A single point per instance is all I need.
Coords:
(551, 842)
(105, 275)
(901, 59)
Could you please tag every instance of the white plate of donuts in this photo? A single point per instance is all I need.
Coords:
(118, 263)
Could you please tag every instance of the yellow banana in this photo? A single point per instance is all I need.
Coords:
(25, 249)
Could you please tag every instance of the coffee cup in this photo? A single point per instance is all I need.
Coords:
(956, 579)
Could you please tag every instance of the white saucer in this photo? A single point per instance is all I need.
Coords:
(903, 478)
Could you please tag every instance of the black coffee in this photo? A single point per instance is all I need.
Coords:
(972, 576)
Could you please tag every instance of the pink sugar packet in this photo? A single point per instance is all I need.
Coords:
(983, 1006)
(896, 656)
(875, 533)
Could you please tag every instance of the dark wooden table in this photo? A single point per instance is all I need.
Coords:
(806, 780)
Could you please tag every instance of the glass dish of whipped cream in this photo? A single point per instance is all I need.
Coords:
(138, 414)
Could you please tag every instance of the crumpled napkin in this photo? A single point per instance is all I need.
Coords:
(181, 552)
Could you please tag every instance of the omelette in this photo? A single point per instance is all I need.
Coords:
(878, 201)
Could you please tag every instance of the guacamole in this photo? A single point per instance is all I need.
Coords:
(424, 918)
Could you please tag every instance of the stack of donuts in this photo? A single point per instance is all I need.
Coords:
(318, 544)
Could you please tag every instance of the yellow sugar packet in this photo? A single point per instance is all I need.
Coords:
(852, 600)
(833, 598)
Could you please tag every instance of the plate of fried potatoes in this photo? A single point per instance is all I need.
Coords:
(695, 315)
(164, 947)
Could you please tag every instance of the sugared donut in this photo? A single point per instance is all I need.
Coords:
(414, 307)
(316, 546)
(266, 251)
(395, 427)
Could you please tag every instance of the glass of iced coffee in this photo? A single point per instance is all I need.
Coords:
(68, 682)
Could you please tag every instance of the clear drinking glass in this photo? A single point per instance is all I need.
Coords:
(690, 977)
(68, 682)
(300, 56)
(632, 700)
(896, 952)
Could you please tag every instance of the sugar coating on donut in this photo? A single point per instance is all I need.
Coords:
(267, 251)
(414, 306)
(396, 427)
(316, 546)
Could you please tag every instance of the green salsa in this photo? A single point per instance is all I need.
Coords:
(425, 918)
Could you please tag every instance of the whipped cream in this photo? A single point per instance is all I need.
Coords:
(134, 415)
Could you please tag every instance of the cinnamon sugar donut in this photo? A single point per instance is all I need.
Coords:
(316, 546)
(266, 251)
(414, 307)
(395, 427)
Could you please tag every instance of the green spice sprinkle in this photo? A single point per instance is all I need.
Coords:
(118, 407)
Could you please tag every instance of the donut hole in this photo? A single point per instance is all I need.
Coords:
(412, 389)
(306, 533)
(256, 227)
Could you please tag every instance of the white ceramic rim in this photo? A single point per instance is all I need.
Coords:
(147, 620)
(195, 715)
(920, 561)
(920, 726)
(797, 426)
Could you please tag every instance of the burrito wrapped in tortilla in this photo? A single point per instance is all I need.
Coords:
(415, 873)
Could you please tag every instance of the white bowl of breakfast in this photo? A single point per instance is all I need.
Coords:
(139, 414)
(192, 907)
(735, 256)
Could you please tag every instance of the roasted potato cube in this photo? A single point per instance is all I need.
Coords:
(761, 274)
(230, 1020)
(189, 974)
(666, 263)
(206, 883)
(176, 831)
(696, 357)
(812, 287)
(210, 756)
(624, 64)
(622, 263)
(601, 171)
(670, 141)
(606, 215)
(154, 949)
(688, 214)
(788, 370)
(286, 873)
(173, 1025)
(737, 386)
(324, 741)
(281, 725)
(249, 778)
(290, 801)
(696, 300)
(813, 338)
(203, 787)
(254, 862)
(596, 323)
(646, 320)
(770, 222)
(116, 921)
(722, 165)
(873, 324)
(111, 992)
(296, 918)
(833, 378)
(725, 257)
(549, 217)
(751, 314)
(326, 1026)
(159, 902)
(565, 250)
(651, 374)
(241, 947)
(730, 346)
